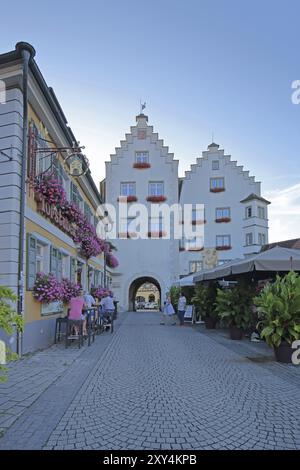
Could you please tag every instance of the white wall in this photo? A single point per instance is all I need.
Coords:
(10, 183)
(196, 189)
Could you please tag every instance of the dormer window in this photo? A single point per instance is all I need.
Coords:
(142, 157)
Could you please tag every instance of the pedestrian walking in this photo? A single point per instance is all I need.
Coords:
(181, 308)
(168, 313)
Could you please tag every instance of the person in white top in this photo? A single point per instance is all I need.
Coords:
(181, 308)
(89, 300)
(168, 313)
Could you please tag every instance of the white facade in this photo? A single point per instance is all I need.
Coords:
(224, 188)
(141, 260)
(241, 231)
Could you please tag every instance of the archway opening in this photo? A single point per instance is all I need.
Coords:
(144, 294)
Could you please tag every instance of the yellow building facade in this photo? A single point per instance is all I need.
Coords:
(38, 237)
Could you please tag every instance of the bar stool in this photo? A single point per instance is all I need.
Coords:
(58, 334)
(70, 336)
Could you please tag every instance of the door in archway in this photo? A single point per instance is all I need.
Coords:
(147, 288)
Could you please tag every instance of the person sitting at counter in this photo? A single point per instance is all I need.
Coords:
(76, 313)
(89, 300)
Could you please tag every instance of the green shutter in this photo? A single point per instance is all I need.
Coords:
(72, 269)
(53, 261)
(59, 264)
(31, 261)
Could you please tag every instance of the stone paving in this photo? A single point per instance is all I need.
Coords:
(149, 386)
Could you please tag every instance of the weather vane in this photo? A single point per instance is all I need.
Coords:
(143, 106)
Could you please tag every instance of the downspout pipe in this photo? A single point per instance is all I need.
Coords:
(26, 52)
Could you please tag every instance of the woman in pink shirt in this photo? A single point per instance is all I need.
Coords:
(75, 312)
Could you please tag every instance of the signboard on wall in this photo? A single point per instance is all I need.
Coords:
(51, 308)
(210, 258)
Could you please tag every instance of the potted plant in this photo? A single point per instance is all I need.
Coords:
(234, 307)
(204, 300)
(174, 294)
(10, 321)
(278, 307)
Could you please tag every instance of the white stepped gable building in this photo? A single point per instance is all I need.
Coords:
(235, 220)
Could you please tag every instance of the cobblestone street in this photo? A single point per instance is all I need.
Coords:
(149, 386)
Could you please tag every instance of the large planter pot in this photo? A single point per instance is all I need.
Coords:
(235, 333)
(210, 323)
(283, 353)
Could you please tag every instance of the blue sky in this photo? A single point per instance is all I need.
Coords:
(202, 66)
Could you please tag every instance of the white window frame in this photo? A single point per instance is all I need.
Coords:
(142, 156)
(220, 240)
(261, 212)
(215, 165)
(197, 264)
(247, 210)
(66, 265)
(220, 212)
(262, 239)
(249, 239)
(217, 182)
(40, 240)
(153, 189)
(128, 188)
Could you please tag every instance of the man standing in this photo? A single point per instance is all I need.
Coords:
(181, 308)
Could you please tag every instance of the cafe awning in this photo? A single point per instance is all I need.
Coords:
(273, 260)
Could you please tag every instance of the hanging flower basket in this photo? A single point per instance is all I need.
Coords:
(127, 199)
(111, 261)
(69, 289)
(223, 220)
(49, 188)
(100, 292)
(223, 248)
(47, 288)
(141, 165)
(156, 199)
(217, 190)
